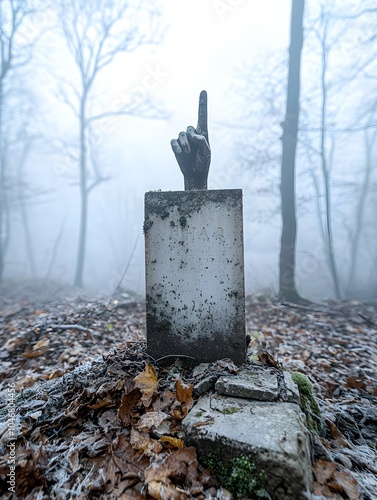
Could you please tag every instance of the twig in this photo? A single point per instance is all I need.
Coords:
(367, 320)
(175, 356)
(70, 327)
(127, 266)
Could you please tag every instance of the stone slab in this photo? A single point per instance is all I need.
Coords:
(292, 392)
(195, 275)
(272, 434)
(260, 385)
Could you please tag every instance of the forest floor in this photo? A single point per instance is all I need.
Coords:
(99, 418)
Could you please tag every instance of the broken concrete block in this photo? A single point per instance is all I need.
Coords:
(195, 275)
(273, 435)
(260, 385)
(205, 385)
(293, 395)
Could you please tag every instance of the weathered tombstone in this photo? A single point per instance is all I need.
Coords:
(194, 261)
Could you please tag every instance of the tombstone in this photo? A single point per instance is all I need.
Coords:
(195, 300)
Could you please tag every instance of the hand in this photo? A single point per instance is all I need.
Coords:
(192, 150)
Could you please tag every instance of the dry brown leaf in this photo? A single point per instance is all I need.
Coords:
(106, 401)
(324, 491)
(184, 400)
(356, 382)
(32, 354)
(126, 458)
(151, 420)
(142, 441)
(324, 470)
(179, 411)
(208, 421)
(111, 471)
(183, 464)
(336, 435)
(129, 402)
(53, 374)
(347, 482)
(184, 392)
(27, 381)
(267, 359)
(165, 400)
(173, 442)
(73, 460)
(41, 344)
(162, 491)
(147, 382)
(12, 343)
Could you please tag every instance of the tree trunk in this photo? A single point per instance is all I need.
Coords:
(83, 201)
(287, 287)
(24, 211)
(2, 189)
(360, 211)
(326, 167)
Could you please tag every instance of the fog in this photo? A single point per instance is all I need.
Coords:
(148, 92)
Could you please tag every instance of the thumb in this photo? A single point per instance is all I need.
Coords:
(197, 139)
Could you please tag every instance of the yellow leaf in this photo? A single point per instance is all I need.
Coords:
(147, 382)
(184, 391)
(174, 442)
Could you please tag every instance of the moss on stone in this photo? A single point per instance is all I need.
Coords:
(239, 475)
(229, 410)
(308, 402)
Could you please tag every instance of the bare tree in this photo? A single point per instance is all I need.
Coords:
(15, 52)
(337, 31)
(287, 287)
(95, 32)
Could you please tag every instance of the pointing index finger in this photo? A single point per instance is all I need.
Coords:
(202, 127)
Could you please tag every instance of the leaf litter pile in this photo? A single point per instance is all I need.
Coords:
(97, 417)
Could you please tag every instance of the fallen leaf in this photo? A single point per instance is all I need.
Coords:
(324, 492)
(324, 470)
(147, 382)
(151, 420)
(128, 404)
(27, 381)
(356, 382)
(12, 343)
(174, 442)
(202, 423)
(106, 401)
(142, 441)
(267, 359)
(73, 460)
(53, 374)
(32, 354)
(41, 343)
(336, 435)
(183, 464)
(184, 392)
(162, 491)
(165, 400)
(347, 482)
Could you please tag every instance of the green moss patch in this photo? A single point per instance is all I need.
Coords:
(308, 402)
(239, 475)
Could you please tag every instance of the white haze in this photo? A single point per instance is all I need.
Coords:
(205, 42)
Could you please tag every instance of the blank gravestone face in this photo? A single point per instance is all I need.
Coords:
(195, 274)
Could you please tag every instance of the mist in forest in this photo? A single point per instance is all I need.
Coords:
(91, 94)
